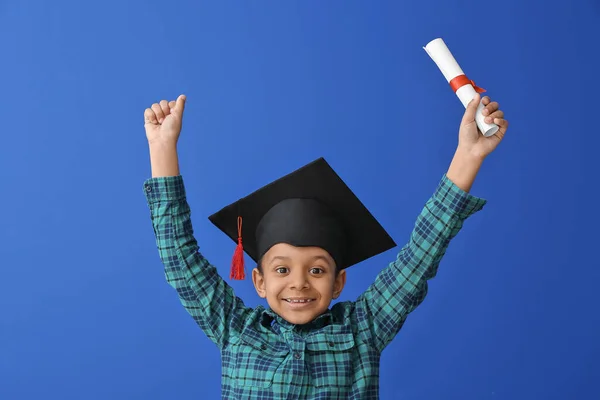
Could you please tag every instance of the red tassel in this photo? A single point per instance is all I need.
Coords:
(237, 264)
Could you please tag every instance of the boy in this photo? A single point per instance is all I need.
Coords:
(303, 230)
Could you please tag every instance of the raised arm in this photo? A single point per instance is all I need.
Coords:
(204, 294)
(402, 286)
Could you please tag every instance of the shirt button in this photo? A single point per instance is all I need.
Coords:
(264, 346)
(148, 188)
(297, 356)
(331, 344)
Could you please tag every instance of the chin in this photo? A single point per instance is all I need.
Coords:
(300, 317)
(298, 314)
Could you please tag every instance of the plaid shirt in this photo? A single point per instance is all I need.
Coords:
(337, 355)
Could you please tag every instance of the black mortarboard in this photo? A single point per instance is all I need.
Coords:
(311, 206)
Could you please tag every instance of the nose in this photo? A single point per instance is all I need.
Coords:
(299, 280)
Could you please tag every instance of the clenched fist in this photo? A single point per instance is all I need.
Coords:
(470, 137)
(163, 121)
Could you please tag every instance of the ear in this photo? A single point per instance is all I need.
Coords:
(259, 283)
(338, 285)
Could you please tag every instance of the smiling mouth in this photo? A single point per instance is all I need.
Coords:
(299, 301)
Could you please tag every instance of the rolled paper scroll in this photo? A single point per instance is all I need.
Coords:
(464, 88)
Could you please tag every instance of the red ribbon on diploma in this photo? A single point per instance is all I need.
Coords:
(462, 80)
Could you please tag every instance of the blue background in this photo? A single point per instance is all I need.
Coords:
(85, 309)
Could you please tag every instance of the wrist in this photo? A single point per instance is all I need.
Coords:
(469, 155)
(162, 145)
(470, 151)
(464, 168)
(164, 159)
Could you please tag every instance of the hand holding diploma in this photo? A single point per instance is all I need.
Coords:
(464, 88)
(483, 125)
(470, 139)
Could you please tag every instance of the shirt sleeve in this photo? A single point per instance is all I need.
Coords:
(401, 287)
(203, 293)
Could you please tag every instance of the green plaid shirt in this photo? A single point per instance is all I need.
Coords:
(337, 355)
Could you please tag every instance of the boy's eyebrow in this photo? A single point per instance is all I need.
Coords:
(323, 258)
(282, 258)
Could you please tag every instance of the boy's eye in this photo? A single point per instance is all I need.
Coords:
(317, 270)
(281, 270)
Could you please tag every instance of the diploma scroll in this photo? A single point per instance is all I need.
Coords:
(464, 88)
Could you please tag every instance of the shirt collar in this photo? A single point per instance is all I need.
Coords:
(269, 317)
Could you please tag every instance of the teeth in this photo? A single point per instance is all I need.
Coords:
(298, 300)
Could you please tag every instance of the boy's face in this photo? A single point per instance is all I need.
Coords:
(298, 282)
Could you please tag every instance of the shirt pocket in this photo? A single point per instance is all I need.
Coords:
(331, 359)
(257, 362)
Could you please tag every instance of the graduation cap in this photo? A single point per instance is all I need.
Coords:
(311, 206)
